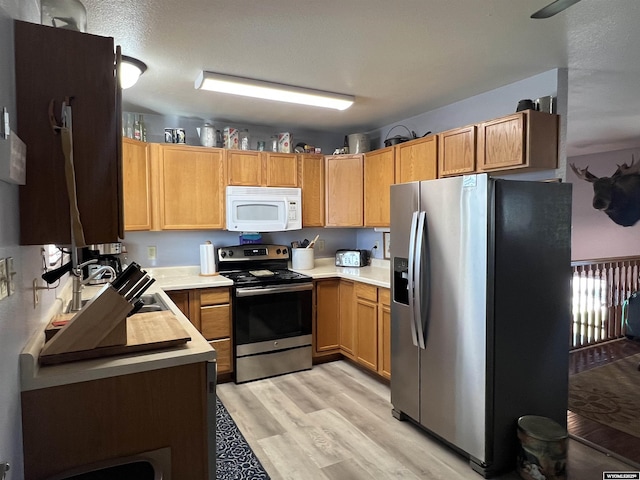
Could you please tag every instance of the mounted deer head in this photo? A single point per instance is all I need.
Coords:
(619, 195)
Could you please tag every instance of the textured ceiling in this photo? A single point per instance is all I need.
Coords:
(398, 58)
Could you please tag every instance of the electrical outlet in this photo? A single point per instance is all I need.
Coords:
(319, 245)
(152, 252)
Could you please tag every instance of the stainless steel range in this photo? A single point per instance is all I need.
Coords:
(272, 308)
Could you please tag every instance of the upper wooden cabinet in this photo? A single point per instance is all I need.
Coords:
(252, 168)
(136, 185)
(457, 151)
(54, 64)
(311, 173)
(379, 168)
(281, 169)
(190, 186)
(417, 160)
(245, 167)
(344, 180)
(526, 140)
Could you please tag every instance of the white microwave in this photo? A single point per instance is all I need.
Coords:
(263, 209)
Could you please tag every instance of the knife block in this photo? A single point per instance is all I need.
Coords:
(101, 323)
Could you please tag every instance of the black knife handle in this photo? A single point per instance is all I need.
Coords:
(54, 275)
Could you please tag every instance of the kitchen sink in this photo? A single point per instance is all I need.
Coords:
(151, 302)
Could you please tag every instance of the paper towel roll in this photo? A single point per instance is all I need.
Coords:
(207, 259)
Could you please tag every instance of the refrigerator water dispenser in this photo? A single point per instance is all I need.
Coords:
(401, 280)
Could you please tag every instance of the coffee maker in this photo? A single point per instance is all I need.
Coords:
(105, 254)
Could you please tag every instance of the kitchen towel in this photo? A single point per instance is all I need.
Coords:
(207, 259)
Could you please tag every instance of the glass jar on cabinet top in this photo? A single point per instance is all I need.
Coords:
(244, 139)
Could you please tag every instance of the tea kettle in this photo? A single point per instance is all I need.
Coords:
(207, 134)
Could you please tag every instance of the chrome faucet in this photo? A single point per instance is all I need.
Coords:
(79, 283)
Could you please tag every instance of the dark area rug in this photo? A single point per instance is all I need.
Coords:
(234, 457)
(604, 404)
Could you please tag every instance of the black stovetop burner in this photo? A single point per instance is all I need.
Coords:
(256, 265)
(243, 278)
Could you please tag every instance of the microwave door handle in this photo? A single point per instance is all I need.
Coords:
(411, 280)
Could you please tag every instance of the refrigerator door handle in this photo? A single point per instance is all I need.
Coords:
(411, 280)
(419, 287)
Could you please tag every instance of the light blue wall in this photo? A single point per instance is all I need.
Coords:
(495, 103)
(492, 104)
(157, 123)
(183, 248)
(19, 319)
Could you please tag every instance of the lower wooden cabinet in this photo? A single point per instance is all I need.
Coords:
(353, 319)
(367, 325)
(209, 310)
(326, 321)
(347, 319)
(384, 332)
(74, 425)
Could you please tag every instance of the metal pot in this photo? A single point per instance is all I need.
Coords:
(388, 142)
(395, 140)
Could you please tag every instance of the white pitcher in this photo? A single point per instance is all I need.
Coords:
(207, 134)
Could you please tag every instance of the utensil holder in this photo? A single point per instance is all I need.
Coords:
(302, 258)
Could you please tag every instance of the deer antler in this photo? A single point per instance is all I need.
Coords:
(632, 169)
(583, 173)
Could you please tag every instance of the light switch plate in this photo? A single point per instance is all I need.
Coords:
(4, 279)
(6, 127)
(10, 276)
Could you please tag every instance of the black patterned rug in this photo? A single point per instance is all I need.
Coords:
(234, 458)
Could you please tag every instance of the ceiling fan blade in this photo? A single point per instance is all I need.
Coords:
(553, 8)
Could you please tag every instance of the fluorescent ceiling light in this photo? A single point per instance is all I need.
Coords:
(247, 87)
(130, 70)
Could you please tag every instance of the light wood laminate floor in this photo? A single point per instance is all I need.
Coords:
(334, 422)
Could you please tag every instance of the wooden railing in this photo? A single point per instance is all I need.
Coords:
(599, 288)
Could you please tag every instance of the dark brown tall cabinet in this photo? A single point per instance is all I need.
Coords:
(52, 64)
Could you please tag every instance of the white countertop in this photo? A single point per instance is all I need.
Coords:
(34, 376)
(375, 274)
(180, 278)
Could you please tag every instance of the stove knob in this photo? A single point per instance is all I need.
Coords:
(278, 251)
(231, 253)
(223, 253)
(284, 251)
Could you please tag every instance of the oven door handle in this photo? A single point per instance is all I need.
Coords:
(252, 292)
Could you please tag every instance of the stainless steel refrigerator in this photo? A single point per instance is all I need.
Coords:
(480, 315)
